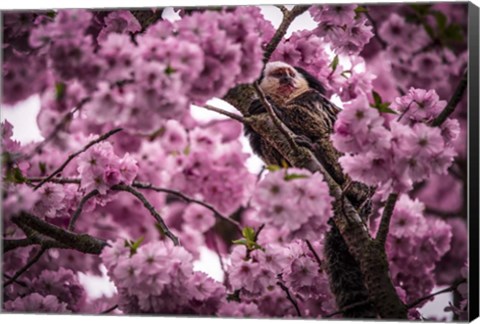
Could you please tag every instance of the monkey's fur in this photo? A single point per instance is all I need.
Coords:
(298, 100)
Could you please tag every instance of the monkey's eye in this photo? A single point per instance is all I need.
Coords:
(277, 74)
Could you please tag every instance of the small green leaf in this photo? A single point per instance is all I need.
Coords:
(293, 176)
(360, 9)
(14, 175)
(273, 167)
(186, 150)
(429, 30)
(43, 167)
(377, 98)
(240, 242)
(452, 33)
(170, 70)
(334, 63)
(284, 164)
(249, 233)
(60, 90)
(385, 108)
(441, 20)
(134, 245)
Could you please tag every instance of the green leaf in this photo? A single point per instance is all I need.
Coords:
(452, 33)
(441, 20)
(293, 176)
(43, 167)
(170, 70)
(60, 90)
(134, 245)
(429, 30)
(385, 108)
(334, 63)
(14, 174)
(377, 98)
(186, 150)
(273, 167)
(240, 242)
(249, 233)
(421, 9)
(360, 9)
(284, 164)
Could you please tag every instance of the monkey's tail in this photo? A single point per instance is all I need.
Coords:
(345, 277)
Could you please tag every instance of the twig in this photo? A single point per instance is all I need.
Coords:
(421, 299)
(348, 308)
(18, 282)
(382, 42)
(290, 298)
(78, 211)
(317, 258)
(189, 200)
(56, 180)
(386, 217)
(288, 17)
(57, 128)
(276, 121)
(108, 310)
(74, 155)
(225, 113)
(257, 233)
(150, 208)
(29, 264)
(454, 100)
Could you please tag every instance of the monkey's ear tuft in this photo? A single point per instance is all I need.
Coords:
(311, 80)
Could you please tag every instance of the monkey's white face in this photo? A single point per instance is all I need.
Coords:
(282, 82)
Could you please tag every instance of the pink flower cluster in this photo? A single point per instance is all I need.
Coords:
(100, 168)
(294, 200)
(339, 26)
(159, 278)
(258, 276)
(393, 154)
(415, 245)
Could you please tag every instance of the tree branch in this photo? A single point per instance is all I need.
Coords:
(14, 244)
(422, 299)
(74, 155)
(68, 116)
(150, 208)
(290, 298)
(25, 268)
(317, 258)
(78, 211)
(217, 214)
(41, 232)
(453, 102)
(386, 217)
(225, 113)
(288, 17)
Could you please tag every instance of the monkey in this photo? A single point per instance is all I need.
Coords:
(299, 101)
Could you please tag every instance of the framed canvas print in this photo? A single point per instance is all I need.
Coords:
(313, 161)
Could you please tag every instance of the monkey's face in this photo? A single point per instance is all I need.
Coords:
(282, 82)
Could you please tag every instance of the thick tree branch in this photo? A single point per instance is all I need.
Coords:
(151, 209)
(386, 217)
(290, 298)
(424, 298)
(78, 211)
(453, 102)
(288, 17)
(50, 236)
(74, 155)
(189, 200)
(14, 244)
